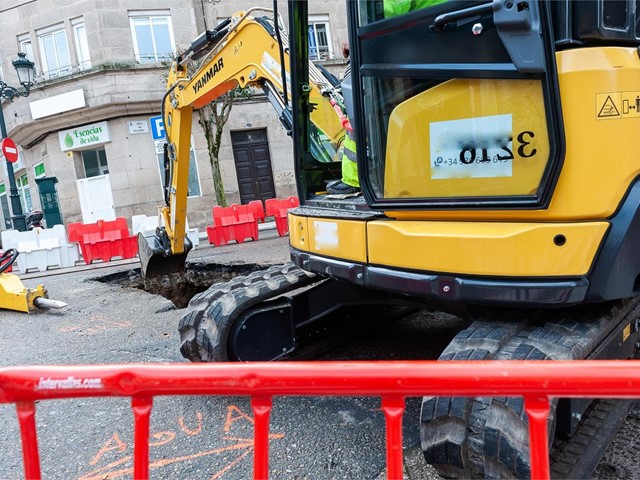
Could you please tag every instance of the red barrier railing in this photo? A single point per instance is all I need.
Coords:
(392, 381)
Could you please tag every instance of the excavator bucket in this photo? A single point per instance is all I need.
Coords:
(155, 255)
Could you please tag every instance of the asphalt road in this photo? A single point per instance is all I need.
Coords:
(192, 437)
(195, 437)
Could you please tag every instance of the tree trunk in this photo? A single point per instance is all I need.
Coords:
(212, 118)
(214, 137)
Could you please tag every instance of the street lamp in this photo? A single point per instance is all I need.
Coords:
(26, 75)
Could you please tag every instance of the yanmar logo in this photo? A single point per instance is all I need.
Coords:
(208, 75)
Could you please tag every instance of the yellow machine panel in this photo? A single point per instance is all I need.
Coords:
(344, 239)
(298, 231)
(490, 249)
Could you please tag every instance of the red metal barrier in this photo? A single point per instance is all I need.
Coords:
(103, 240)
(536, 381)
(278, 209)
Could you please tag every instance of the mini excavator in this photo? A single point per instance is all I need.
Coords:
(500, 181)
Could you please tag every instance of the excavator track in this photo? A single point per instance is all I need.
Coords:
(487, 437)
(579, 455)
(205, 326)
(622, 459)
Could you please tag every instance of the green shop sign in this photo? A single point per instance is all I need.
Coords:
(85, 136)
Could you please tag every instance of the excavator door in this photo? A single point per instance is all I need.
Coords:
(457, 103)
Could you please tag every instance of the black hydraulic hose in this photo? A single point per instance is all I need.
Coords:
(283, 70)
(168, 170)
(11, 254)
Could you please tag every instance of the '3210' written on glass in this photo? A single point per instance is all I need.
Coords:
(470, 155)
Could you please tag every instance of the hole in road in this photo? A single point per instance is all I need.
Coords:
(180, 289)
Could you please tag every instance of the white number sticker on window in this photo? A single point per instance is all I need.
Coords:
(479, 147)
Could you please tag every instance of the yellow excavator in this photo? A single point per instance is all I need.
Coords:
(500, 182)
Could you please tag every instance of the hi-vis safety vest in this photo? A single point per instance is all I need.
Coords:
(393, 8)
(349, 165)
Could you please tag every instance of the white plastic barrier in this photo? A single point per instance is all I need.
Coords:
(145, 224)
(41, 249)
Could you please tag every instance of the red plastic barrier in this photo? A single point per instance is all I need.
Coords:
(236, 222)
(217, 235)
(103, 240)
(393, 381)
(278, 209)
(256, 207)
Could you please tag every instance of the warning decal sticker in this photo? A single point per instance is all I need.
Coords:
(617, 105)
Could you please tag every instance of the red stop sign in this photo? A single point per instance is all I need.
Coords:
(10, 150)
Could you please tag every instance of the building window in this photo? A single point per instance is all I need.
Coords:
(319, 38)
(94, 163)
(152, 36)
(4, 204)
(194, 178)
(25, 46)
(54, 51)
(25, 193)
(82, 46)
(38, 170)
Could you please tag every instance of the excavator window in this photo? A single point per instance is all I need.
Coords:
(458, 102)
(373, 11)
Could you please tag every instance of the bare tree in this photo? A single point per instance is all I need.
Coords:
(212, 118)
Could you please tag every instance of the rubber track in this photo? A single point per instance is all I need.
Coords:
(578, 456)
(487, 437)
(210, 314)
(444, 420)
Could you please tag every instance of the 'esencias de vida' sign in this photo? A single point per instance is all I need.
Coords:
(84, 136)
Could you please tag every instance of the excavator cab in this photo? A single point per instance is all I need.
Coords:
(446, 97)
(480, 126)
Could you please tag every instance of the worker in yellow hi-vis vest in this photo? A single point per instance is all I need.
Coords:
(350, 184)
(393, 8)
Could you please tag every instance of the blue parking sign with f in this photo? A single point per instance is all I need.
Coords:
(157, 127)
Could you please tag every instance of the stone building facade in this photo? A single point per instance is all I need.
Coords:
(87, 133)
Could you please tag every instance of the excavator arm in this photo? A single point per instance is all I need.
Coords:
(243, 51)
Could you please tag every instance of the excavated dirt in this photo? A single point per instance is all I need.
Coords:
(181, 288)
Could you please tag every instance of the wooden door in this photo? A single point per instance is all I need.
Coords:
(253, 165)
